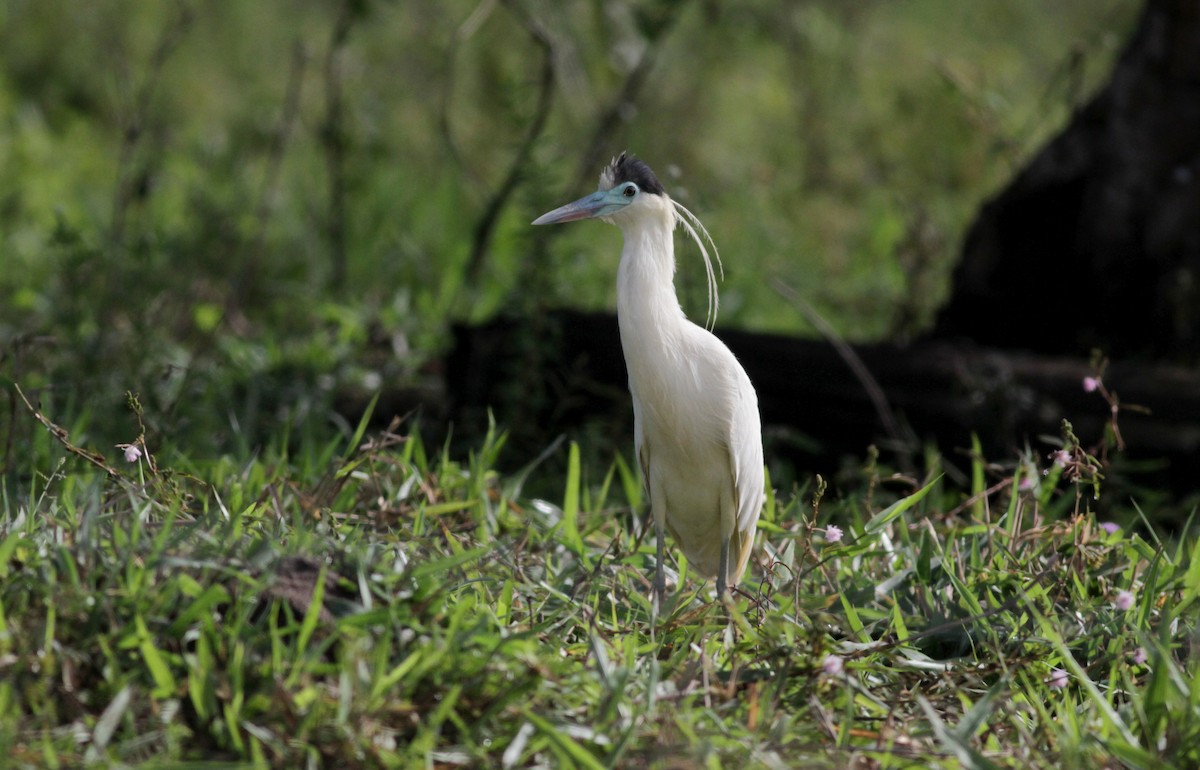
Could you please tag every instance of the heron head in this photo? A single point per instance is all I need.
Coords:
(622, 183)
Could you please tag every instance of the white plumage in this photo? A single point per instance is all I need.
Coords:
(696, 424)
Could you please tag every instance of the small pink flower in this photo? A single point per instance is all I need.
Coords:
(133, 452)
(1090, 384)
(1139, 656)
(832, 665)
(1058, 678)
(1026, 483)
(833, 534)
(1061, 458)
(1110, 527)
(1123, 600)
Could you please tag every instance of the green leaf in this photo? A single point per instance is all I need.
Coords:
(160, 672)
(570, 519)
(1191, 583)
(968, 756)
(565, 743)
(7, 548)
(361, 430)
(898, 625)
(977, 717)
(887, 515)
(856, 624)
(313, 613)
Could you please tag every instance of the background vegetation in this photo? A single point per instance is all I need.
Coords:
(237, 211)
(242, 212)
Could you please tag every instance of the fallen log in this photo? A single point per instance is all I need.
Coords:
(557, 372)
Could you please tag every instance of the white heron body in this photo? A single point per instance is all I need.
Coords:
(696, 426)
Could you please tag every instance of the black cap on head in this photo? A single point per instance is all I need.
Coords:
(626, 168)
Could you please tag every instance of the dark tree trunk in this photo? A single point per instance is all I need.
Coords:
(1096, 244)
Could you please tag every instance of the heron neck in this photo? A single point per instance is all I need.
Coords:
(648, 310)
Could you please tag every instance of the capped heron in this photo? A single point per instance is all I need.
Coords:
(695, 413)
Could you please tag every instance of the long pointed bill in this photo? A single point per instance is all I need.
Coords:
(585, 208)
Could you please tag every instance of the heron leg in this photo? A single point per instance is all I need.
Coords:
(723, 570)
(660, 580)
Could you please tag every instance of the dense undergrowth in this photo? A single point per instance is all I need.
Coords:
(374, 601)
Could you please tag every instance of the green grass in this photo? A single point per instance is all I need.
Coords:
(372, 601)
(262, 589)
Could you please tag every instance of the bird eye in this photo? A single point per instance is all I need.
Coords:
(630, 190)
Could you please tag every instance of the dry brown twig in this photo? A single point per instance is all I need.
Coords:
(63, 437)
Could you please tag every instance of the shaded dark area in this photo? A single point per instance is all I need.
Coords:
(1096, 243)
(294, 580)
(816, 412)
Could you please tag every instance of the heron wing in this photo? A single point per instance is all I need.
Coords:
(746, 452)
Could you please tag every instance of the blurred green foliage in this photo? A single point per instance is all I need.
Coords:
(239, 209)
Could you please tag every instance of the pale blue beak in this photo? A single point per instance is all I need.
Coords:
(599, 204)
